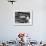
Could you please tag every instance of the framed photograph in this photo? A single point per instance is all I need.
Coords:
(23, 18)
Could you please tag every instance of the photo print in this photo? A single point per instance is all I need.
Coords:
(23, 18)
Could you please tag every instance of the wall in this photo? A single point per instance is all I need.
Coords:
(9, 31)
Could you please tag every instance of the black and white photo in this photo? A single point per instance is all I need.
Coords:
(23, 18)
